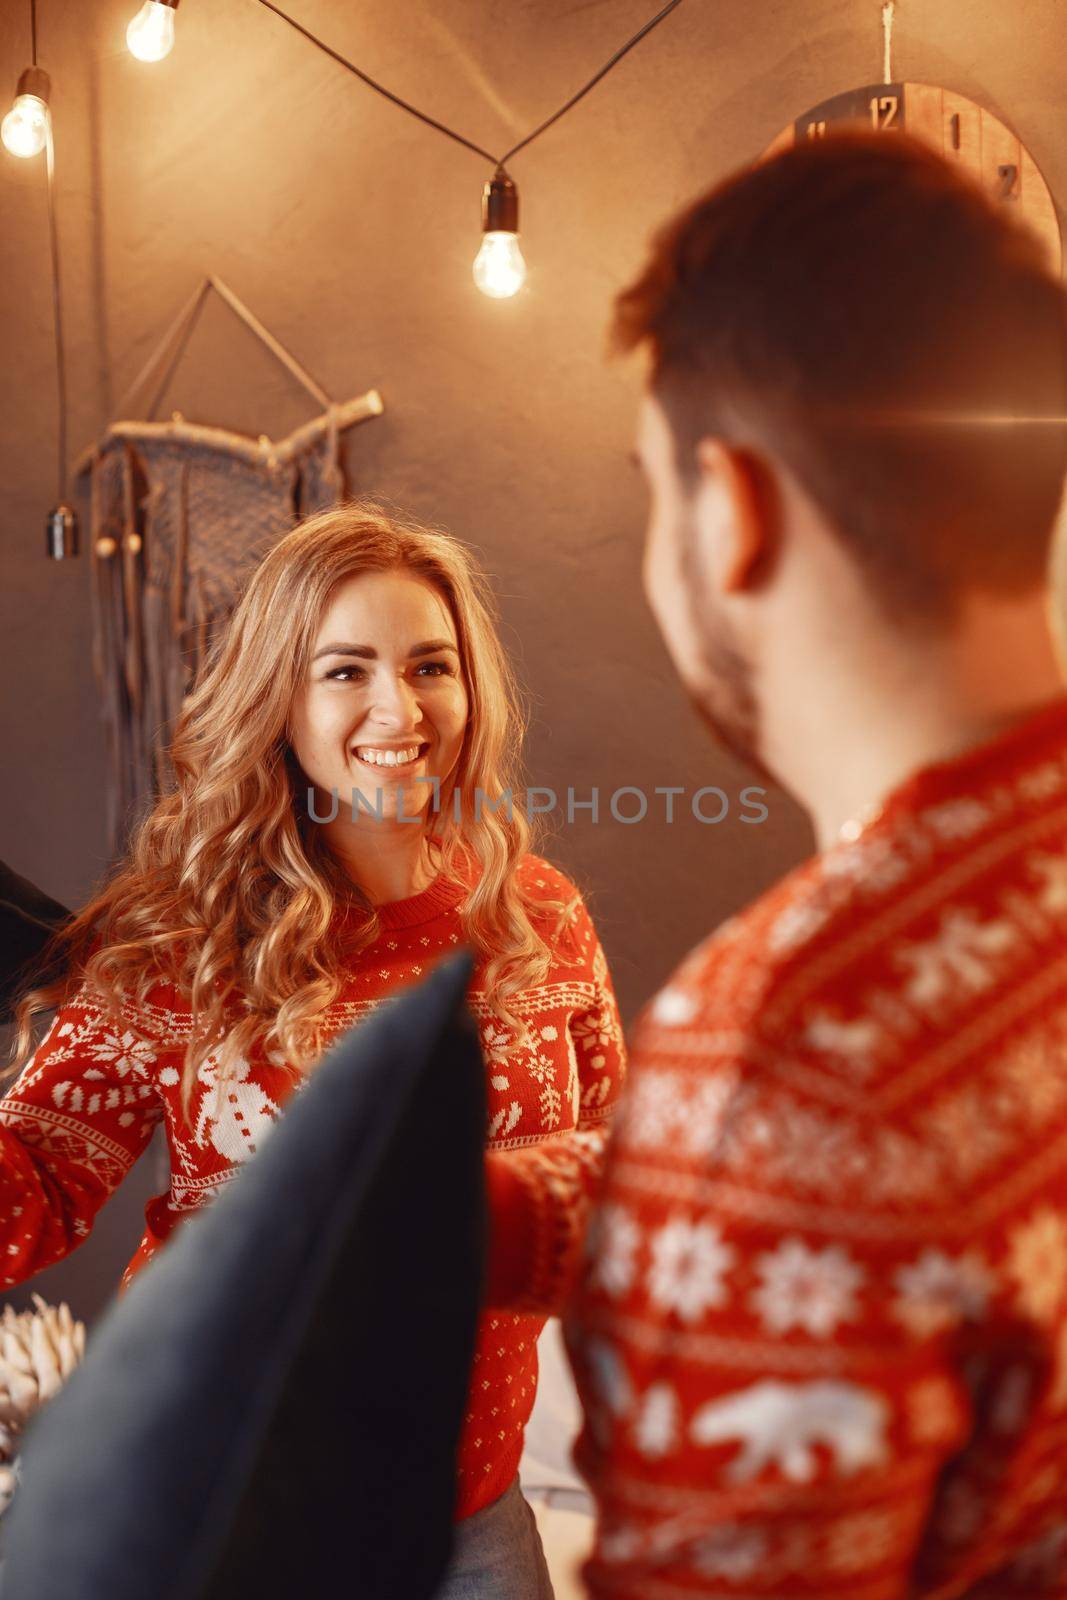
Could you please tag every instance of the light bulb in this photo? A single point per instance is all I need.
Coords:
(151, 33)
(25, 128)
(499, 269)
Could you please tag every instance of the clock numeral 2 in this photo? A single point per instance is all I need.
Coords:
(1008, 176)
(884, 110)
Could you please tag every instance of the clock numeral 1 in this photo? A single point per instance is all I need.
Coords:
(816, 130)
(1008, 176)
(884, 110)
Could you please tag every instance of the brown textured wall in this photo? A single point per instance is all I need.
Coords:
(350, 230)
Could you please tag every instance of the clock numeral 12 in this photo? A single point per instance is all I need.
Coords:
(884, 110)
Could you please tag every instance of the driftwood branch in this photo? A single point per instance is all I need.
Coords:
(262, 451)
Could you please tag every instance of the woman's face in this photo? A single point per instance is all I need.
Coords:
(384, 703)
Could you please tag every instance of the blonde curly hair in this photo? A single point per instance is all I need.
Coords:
(228, 892)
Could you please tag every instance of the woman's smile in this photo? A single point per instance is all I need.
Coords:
(399, 759)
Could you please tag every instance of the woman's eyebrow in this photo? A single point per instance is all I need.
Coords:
(432, 646)
(367, 652)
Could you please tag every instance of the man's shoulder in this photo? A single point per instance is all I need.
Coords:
(847, 923)
(798, 987)
(757, 1066)
(726, 979)
(859, 1022)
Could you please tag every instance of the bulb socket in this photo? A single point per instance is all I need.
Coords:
(35, 80)
(61, 533)
(500, 205)
(171, 4)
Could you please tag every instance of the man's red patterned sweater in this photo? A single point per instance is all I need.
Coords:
(822, 1337)
(85, 1107)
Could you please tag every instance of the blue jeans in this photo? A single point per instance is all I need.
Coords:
(497, 1555)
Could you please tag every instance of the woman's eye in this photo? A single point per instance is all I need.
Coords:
(357, 674)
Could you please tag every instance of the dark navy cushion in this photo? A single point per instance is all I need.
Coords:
(274, 1407)
(28, 918)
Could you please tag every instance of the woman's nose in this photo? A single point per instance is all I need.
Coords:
(395, 702)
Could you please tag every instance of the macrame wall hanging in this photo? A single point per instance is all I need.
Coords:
(179, 516)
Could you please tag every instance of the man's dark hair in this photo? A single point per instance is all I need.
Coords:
(863, 307)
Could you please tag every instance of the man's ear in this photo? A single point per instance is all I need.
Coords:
(732, 515)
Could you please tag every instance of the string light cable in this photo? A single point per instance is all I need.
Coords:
(499, 268)
(26, 131)
(61, 526)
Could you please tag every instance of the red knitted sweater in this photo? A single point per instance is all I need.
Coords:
(822, 1340)
(85, 1107)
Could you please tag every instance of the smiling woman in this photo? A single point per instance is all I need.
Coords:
(242, 934)
(380, 724)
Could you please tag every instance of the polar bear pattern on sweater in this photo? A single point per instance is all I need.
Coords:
(780, 1424)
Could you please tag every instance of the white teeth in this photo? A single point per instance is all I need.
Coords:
(387, 758)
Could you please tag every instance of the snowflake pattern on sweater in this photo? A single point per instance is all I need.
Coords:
(821, 1337)
(85, 1107)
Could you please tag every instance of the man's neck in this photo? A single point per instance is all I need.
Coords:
(863, 733)
(872, 781)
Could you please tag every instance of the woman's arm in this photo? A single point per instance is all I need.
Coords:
(540, 1196)
(71, 1127)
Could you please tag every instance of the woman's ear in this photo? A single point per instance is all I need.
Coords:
(732, 515)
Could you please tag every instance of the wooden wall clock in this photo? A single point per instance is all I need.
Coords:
(956, 128)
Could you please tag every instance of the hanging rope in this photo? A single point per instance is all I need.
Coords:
(888, 10)
(171, 347)
(179, 331)
(275, 346)
(441, 127)
(57, 316)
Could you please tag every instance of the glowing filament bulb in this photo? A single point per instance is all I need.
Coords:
(25, 128)
(151, 33)
(499, 269)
